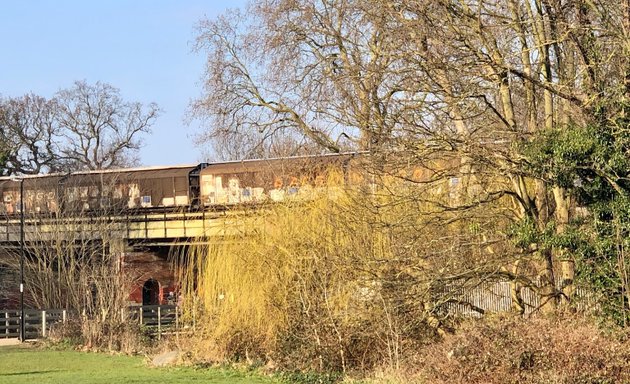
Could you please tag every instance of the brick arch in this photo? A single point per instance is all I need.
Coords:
(151, 292)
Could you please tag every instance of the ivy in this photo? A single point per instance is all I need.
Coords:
(592, 162)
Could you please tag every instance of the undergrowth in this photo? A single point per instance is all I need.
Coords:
(561, 348)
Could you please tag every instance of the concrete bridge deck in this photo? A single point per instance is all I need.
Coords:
(138, 226)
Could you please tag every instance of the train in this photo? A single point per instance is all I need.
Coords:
(182, 187)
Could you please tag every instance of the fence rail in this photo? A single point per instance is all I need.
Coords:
(497, 296)
(156, 319)
(37, 323)
(162, 319)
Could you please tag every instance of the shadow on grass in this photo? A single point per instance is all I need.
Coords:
(30, 372)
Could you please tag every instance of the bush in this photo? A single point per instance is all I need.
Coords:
(313, 286)
(557, 349)
(95, 335)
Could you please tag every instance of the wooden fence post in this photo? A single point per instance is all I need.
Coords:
(63, 316)
(159, 323)
(6, 322)
(177, 323)
(141, 315)
(43, 323)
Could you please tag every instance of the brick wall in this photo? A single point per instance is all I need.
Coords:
(140, 267)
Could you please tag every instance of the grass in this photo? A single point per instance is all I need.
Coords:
(23, 364)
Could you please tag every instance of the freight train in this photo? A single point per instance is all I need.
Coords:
(189, 187)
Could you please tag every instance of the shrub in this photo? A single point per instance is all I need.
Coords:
(96, 335)
(319, 285)
(505, 349)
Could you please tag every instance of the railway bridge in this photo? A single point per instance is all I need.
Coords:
(143, 215)
(141, 240)
(141, 228)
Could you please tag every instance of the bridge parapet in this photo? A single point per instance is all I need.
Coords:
(135, 226)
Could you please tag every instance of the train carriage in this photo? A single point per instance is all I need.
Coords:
(40, 194)
(175, 187)
(133, 188)
(251, 181)
(112, 190)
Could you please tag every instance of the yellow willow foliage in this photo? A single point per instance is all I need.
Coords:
(348, 272)
(295, 257)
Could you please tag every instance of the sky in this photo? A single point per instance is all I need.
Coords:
(142, 47)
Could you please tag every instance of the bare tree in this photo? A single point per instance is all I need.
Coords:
(322, 71)
(27, 134)
(99, 129)
(459, 87)
(82, 127)
(253, 145)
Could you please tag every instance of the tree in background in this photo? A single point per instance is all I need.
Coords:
(28, 135)
(98, 128)
(82, 127)
(239, 145)
(300, 68)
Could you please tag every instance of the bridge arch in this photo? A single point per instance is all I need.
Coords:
(151, 292)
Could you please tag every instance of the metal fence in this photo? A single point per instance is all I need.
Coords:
(496, 296)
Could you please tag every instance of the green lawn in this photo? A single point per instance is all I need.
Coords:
(20, 364)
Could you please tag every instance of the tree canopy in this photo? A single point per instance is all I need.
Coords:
(84, 127)
(524, 104)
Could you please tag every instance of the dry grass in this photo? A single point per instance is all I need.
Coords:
(556, 349)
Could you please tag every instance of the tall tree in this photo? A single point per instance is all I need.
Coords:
(468, 84)
(82, 127)
(28, 131)
(316, 69)
(99, 129)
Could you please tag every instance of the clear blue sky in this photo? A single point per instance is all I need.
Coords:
(142, 47)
